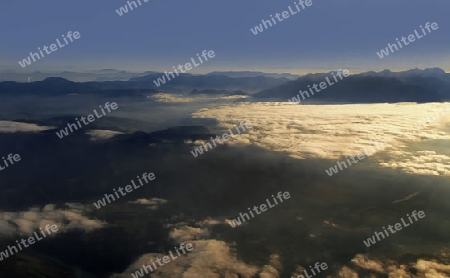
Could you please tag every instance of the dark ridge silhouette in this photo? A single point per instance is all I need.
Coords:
(430, 85)
(415, 85)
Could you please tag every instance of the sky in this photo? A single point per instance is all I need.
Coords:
(329, 35)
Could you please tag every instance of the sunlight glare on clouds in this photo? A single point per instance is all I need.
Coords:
(333, 131)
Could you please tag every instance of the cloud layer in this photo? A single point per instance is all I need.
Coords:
(334, 131)
(26, 222)
(210, 258)
(425, 268)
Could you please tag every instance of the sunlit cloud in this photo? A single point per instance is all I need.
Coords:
(153, 203)
(167, 97)
(210, 258)
(102, 134)
(391, 268)
(71, 217)
(334, 131)
(12, 127)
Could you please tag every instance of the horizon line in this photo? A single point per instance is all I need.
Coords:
(267, 71)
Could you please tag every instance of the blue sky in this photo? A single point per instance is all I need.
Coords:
(330, 34)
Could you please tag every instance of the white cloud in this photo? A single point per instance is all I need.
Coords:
(390, 268)
(433, 269)
(166, 97)
(347, 272)
(102, 134)
(11, 127)
(26, 222)
(369, 264)
(420, 162)
(210, 258)
(187, 233)
(334, 131)
(154, 203)
(272, 269)
(210, 222)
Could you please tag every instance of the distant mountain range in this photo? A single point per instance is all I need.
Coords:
(218, 92)
(118, 75)
(94, 75)
(136, 86)
(254, 74)
(187, 82)
(428, 85)
(56, 86)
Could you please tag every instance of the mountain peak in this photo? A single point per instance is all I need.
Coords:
(56, 80)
